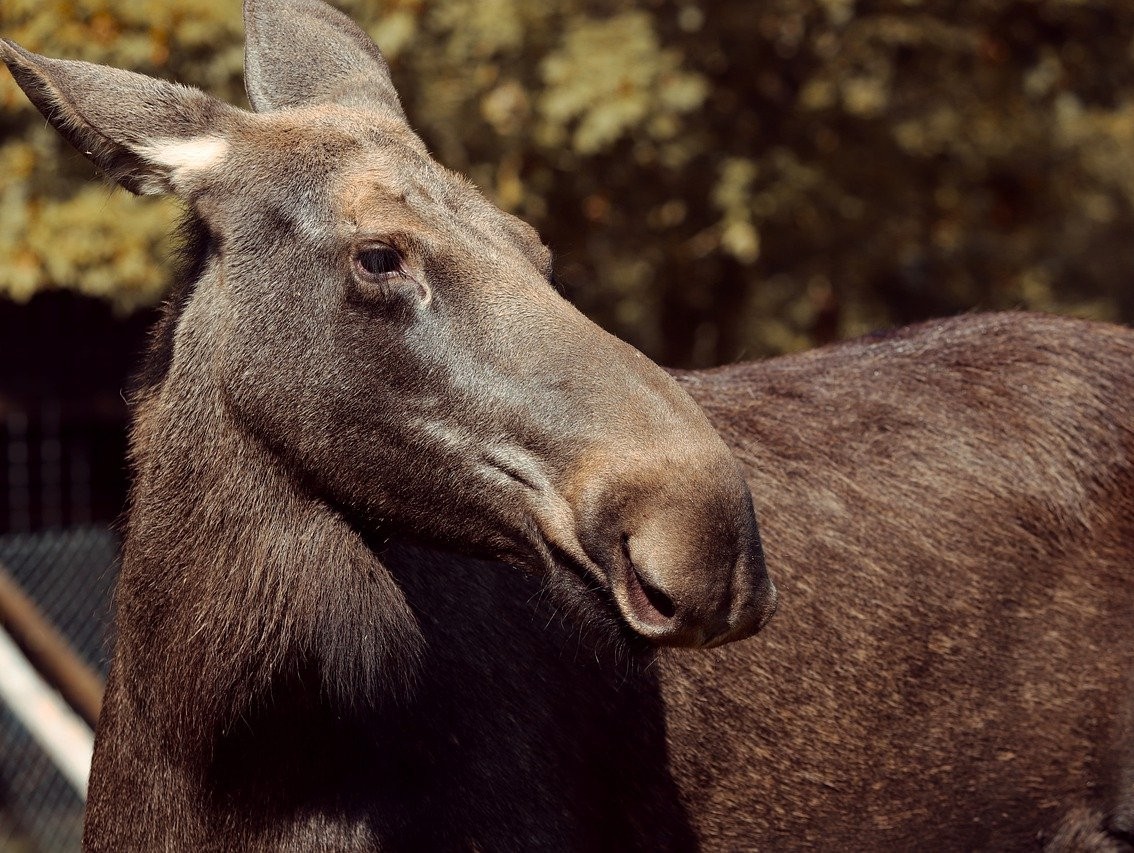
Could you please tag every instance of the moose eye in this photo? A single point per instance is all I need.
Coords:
(378, 262)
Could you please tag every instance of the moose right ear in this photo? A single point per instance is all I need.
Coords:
(150, 136)
(303, 52)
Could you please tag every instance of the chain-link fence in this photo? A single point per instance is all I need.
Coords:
(69, 574)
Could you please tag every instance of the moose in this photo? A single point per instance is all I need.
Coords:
(411, 543)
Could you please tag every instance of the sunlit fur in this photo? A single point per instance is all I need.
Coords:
(948, 509)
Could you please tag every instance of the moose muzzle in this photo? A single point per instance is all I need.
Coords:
(678, 541)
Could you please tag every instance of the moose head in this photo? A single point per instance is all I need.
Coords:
(394, 340)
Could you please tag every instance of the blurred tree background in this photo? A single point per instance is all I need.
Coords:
(720, 180)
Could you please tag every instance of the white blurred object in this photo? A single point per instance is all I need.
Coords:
(55, 727)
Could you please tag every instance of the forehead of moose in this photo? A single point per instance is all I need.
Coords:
(340, 156)
(338, 174)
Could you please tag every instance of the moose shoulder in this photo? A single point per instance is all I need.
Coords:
(365, 372)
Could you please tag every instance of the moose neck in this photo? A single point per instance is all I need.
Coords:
(235, 569)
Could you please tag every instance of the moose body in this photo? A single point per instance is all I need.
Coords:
(949, 512)
(352, 383)
(950, 670)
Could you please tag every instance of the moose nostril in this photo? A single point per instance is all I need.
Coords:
(661, 602)
(657, 599)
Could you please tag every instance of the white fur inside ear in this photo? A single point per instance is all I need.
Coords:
(181, 158)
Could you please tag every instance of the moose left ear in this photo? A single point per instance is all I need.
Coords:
(304, 52)
(149, 135)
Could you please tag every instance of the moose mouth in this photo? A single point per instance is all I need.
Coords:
(654, 581)
(618, 597)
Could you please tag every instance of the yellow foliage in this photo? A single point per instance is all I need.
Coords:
(58, 227)
(101, 241)
(716, 179)
(610, 76)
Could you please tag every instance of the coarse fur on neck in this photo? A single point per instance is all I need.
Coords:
(232, 566)
(194, 243)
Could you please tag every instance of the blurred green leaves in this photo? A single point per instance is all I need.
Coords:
(58, 228)
(610, 78)
(718, 179)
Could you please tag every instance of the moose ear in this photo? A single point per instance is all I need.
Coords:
(305, 52)
(150, 136)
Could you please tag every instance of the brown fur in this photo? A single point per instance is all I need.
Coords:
(949, 513)
(949, 510)
(950, 669)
